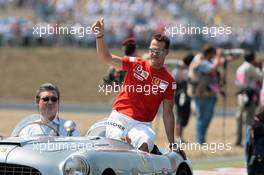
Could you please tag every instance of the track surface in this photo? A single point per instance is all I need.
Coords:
(223, 171)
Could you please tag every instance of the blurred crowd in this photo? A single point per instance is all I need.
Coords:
(126, 18)
(246, 33)
(213, 7)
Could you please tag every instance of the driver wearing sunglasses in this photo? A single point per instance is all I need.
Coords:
(48, 102)
(156, 51)
(133, 110)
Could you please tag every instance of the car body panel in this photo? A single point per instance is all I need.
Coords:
(48, 154)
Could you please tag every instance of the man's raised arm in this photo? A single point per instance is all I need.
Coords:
(102, 49)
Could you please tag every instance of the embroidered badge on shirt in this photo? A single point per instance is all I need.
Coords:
(138, 77)
(163, 85)
(139, 73)
(155, 81)
(145, 74)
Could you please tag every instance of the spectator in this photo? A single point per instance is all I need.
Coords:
(248, 78)
(181, 98)
(201, 73)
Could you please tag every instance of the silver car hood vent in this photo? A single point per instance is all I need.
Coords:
(13, 142)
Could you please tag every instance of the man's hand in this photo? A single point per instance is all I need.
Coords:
(102, 49)
(98, 28)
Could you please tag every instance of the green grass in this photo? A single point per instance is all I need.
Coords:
(211, 164)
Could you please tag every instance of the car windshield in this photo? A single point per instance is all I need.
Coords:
(24, 122)
(97, 129)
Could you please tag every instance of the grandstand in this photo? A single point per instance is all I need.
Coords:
(133, 17)
(244, 16)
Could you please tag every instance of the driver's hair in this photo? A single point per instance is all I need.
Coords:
(46, 87)
(160, 37)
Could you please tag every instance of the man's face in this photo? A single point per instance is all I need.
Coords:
(157, 53)
(48, 104)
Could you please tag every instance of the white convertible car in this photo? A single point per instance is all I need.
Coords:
(92, 154)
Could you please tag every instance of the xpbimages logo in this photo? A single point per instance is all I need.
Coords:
(208, 147)
(52, 146)
(145, 89)
(211, 31)
(43, 29)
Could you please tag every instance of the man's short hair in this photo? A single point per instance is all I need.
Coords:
(208, 49)
(162, 38)
(129, 45)
(188, 59)
(249, 56)
(46, 87)
(130, 49)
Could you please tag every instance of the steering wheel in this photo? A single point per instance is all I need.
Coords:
(39, 123)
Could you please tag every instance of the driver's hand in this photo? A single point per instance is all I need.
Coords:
(98, 27)
(126, 139)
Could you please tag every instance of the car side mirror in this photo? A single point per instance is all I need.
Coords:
(69, 126)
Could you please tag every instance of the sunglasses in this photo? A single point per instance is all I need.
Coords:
(47, 99)
(156, 51)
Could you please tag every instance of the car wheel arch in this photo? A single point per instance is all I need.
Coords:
(183, 169)
(108, 171)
